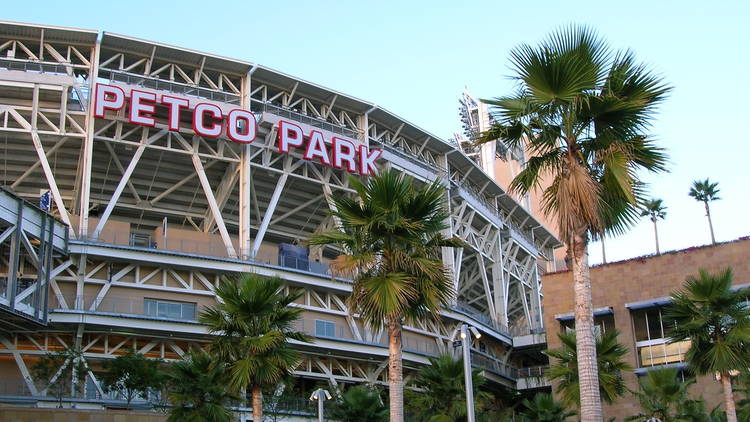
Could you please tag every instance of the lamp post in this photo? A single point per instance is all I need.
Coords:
(466, 343)
(320, 395)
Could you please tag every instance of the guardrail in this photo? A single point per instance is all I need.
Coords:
(257, 106)
(129, 306)
(171, 86)
(207, 248)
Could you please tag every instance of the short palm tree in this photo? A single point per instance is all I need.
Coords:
(662, 395)
(654, 210)
(253, 324)
(582, 112)
(359, 404)
(442, 391)
(705, 191)
(610, 364)
(198, 389)
(716, 320)
(544, 408)
(391, 237)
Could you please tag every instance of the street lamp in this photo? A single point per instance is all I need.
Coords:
(466, 343)
(320, 395)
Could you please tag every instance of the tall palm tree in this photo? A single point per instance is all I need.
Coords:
(705, 191)
(717, 321)
(662, 395)
(442, 394)
(581, 111)
(253, 324)
(198, 389)
(391, 238)
(654, 210)
(610, 364)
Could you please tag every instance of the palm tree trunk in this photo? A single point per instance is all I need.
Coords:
(710, 224)
(604, 251)
(257, 405)
(591, 406)
(656, 236)
(726, 382)
(395, 371)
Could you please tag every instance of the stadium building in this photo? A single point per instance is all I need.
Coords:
(137, 174)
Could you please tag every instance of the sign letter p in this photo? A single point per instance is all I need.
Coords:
(108, 97)
(289, 135)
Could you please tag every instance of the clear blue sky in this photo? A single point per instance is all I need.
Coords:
(414, 59)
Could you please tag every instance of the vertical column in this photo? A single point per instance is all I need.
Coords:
(449, 253)
(499, 282)
(245, 176)
(15, 257)
(88, 143)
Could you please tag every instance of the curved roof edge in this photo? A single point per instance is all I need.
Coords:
(114, 40)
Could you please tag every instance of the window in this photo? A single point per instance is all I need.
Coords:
(651, 341)
(602, 324)
(325, 328)
(168, 309)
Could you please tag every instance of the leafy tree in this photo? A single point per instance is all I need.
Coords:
(198, 389)
(610, 367)
(743, 406)
(359, 404)
(253, 325)
(695, 411)
(662, 395)
(60, 371)
(392, 239)
(581, 111)
(705, 191)
(543, 408)
(133, 375)
(442, 395)
(716, 319)
(654, 210)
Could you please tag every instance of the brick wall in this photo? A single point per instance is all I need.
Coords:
(634, 280)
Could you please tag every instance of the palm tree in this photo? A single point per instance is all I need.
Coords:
(654, 209)
(662, 395)
(705, 191)
(582, 112)
(610, 364)
(198, 389)
(716, 320)
(442, 390)
(359, 404)
(544, 408)
(253, 325)
(391, 238)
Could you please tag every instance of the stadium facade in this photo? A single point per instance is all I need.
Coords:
(137, 174)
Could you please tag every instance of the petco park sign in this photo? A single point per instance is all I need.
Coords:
(211, 121)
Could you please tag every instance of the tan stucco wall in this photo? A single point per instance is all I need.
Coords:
(618, 283)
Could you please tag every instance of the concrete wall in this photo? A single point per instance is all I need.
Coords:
(618, 283)
(20, 414)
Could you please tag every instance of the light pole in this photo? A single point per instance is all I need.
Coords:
(320, 395)
(466, 343)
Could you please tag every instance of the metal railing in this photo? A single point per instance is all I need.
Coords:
(120, 306)
(265, 107)
(531, 372)
(39, 67)
(211, 248)
(480, 317)
(171, 86)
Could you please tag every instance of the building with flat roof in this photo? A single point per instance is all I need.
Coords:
(163, 169)
(629, 296)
